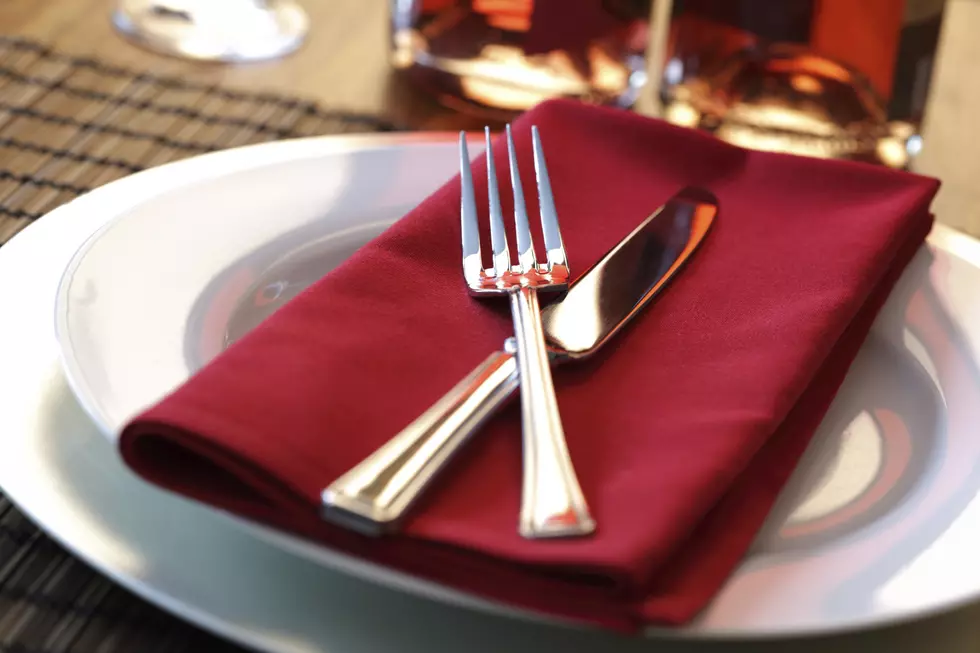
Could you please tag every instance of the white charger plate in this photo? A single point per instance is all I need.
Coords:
(879, 525)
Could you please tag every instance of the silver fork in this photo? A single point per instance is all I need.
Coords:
(552, 503)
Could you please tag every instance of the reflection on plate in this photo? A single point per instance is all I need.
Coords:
(252, 289)
(864, 461)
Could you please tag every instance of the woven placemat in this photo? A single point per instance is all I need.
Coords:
(68, 125)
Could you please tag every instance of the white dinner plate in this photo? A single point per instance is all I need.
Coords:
(880, 523)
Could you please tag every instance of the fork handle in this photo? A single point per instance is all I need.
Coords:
(552, 503)
(374, 496)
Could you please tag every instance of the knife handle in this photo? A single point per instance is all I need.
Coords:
(374, 496)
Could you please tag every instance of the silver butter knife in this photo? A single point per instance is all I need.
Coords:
(374, 496)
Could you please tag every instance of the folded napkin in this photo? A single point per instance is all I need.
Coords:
(682, 430)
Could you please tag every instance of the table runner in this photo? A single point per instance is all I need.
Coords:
(67, 125)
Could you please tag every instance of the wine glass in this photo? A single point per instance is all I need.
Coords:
(214, 30)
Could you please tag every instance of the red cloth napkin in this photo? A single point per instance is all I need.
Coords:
(683, 430)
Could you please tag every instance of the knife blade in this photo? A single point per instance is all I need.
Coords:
(375, 496)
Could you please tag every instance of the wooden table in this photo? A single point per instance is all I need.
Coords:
(344, 65)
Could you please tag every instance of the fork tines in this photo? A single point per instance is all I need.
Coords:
(501, 274)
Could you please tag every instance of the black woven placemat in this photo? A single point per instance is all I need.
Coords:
(68, 125)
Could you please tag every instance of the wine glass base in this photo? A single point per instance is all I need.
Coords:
(214, 30)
